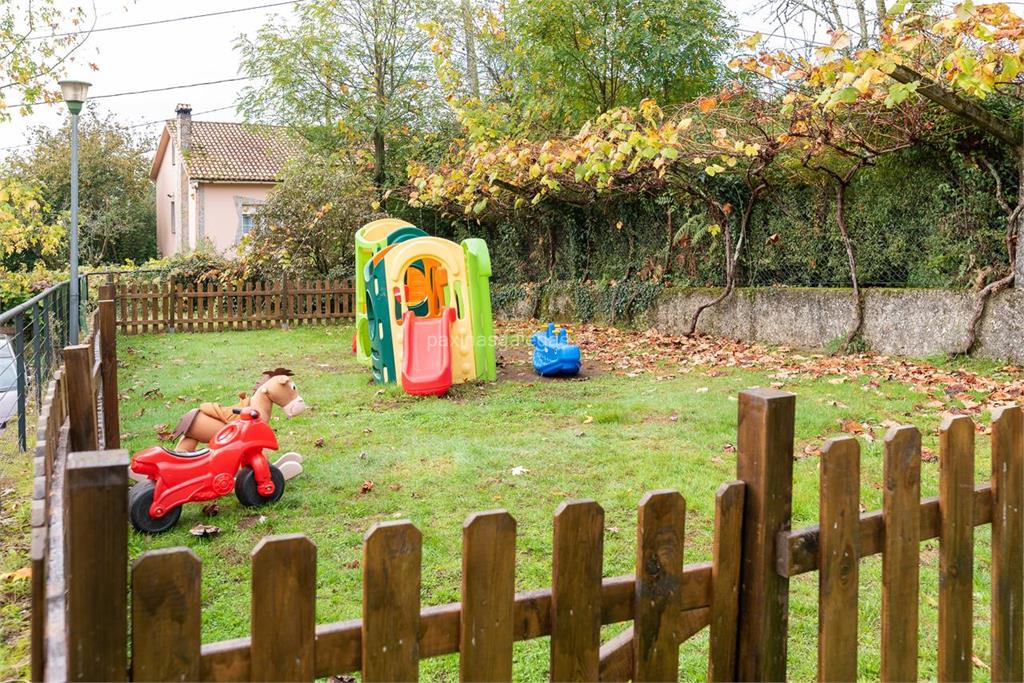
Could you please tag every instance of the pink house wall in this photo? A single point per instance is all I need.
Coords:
(220, 207)
(167, 190)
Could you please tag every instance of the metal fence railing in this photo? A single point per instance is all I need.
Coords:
(32, 336)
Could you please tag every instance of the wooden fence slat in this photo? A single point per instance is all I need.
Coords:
(956, 548)
(37, 557)
(339, 644)
(1007, 546)
(657, 628)
(108, 368)
(488, 596)
(725, 581)
(83, 435)
(137, 292)
(144, 301)
(764, 450)
(577, 556)
(392, 557)
(900, 557)
(166, 616)
(96, 538)
(283, 609)
(839, 514)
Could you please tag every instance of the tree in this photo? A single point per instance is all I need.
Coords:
(30, 54)
(590, 56)
(29, 243)
(117, 209)
(306, 227)
(968, 63)
(345, 72)
(715, 151)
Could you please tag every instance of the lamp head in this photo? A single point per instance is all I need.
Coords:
(74, 93)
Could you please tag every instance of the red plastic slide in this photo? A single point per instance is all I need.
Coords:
(427, 356)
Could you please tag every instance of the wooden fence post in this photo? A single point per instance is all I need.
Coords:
(108, 368)
(1007, 549)
(725, 581)
(488, 597)
(96, 534)
(764, 463)
(392, 555)
(166, 616)
(285, 308)
(283, 615)
(83, 434)
(658, 606)
(577, 559)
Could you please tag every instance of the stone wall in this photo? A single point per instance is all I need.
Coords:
(907, 322)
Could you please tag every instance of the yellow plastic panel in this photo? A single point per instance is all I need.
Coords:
(451, 257)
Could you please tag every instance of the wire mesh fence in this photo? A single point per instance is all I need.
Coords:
(32, 338)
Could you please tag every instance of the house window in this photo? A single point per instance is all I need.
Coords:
(174, 218)
(247, 223)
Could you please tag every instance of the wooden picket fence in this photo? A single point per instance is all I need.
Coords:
(144, 308)
(741, 596)
(79, 412)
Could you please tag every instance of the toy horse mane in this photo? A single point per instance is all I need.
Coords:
(269, 374)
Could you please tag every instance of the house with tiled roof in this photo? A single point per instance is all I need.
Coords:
(211, 177)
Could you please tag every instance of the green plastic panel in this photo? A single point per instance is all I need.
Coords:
(478, 265)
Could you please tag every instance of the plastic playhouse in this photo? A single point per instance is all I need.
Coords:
(553, 355)
(423, 308)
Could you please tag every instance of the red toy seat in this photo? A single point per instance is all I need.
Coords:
(427, 356)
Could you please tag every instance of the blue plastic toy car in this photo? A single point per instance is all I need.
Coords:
(553, 355)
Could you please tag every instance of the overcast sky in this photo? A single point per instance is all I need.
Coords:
(177, 53)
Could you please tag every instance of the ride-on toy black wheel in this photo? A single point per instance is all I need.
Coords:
(247, 490)
(140, 497)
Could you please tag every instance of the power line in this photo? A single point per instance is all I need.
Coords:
(134, 125)
(22, 105)
(169, 20)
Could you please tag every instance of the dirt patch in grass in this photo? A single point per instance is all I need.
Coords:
(515, 364)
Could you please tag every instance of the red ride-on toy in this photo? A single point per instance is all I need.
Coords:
(234, 459)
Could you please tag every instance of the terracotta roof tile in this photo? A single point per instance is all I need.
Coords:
(236, 151)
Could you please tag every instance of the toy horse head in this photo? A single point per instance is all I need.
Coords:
(277, 386)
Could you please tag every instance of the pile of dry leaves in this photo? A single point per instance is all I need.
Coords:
(633, 352)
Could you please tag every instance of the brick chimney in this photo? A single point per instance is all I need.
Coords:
(184, 112)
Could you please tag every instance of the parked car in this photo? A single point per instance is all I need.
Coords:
(8, 383)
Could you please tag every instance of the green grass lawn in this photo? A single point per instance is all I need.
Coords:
(610, 437)
(433, 461)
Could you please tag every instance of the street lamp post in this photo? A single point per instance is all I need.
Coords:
(74, 93)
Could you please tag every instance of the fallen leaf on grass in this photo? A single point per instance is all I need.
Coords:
(810, 451)
(395, 487)
(211, 510)
(588, 419)
(152, 393)
(518, 470)
(928, 455)
(352, 564)
(729, 448)
(851, 426)
(343, 678)
(319, 443)
(366, 487)
(977, 661)
(702, 390)
(17, 575)
(140, 412)
(204, 530)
